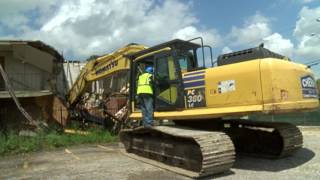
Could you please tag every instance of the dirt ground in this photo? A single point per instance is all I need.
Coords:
(106, 162)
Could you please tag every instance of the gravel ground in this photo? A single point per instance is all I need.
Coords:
(106, 162)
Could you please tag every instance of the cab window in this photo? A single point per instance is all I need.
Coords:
(183, 63)
(186, 62)
(166, 72)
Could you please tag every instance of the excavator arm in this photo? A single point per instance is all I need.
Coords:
(100, 68)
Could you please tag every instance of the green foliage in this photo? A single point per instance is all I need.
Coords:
(318, 84)
(14, 144)
(92, 57)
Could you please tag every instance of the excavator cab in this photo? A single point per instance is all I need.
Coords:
(170, 60)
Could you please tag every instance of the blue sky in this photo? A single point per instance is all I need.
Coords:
(80, 28)
(283, 16)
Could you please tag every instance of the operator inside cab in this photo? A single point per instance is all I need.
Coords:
(145, 96)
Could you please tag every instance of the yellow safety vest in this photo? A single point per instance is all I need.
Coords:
(144, 86)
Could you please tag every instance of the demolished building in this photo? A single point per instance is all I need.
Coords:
(35, 73)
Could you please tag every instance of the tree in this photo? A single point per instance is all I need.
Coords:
(318, 84)
(92, 57)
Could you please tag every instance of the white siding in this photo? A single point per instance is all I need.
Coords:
(72, 71)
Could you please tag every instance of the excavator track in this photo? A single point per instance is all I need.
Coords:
(264, 139)
(193, 153)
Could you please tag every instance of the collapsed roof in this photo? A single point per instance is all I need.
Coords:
(38, 45)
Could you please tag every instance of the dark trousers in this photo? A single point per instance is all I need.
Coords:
(146, 106)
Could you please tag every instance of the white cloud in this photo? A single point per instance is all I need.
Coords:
(17, 13)
(278, 44)
(307, 1)
(308, 47)
(257, 18)
(226, 50)
(307, 32)
(85, 27)
(303, 1)
(211, 37)
(252, 32)
(257, 29)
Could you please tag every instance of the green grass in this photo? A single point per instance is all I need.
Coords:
(15, 144)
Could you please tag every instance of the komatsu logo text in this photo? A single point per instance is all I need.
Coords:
(107, 67)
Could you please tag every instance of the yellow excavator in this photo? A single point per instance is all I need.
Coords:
(207, 110)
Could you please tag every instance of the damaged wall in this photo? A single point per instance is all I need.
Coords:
(35, 71)
(30, 68)
(49, 109)
(25, 76)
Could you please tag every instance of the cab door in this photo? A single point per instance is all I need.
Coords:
(168, 89)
